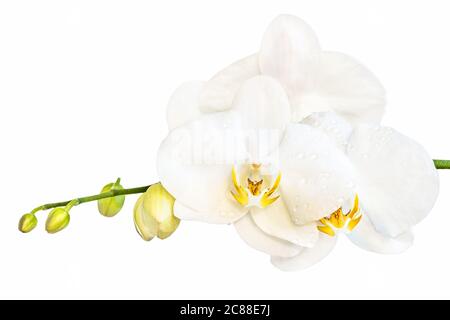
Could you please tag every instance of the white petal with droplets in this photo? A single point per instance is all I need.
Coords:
(276, 221)
(318, 178)
(333, 125)
(398, 181)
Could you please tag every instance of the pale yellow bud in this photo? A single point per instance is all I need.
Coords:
(27, 223)
(153, 213)
(109, 207)
(57, 220)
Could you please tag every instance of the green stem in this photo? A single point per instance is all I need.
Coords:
(442, 164)
(77, 201)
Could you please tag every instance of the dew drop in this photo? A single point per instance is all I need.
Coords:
(313, 156)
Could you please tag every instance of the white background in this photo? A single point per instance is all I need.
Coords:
(83, 90)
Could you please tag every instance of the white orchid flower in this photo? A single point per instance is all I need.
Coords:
(296, 158)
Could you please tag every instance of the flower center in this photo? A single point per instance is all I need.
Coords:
(254, 187)
(253, 194)
(339, 221)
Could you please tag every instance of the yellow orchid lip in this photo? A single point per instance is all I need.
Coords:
(340, 221)
(251, 195)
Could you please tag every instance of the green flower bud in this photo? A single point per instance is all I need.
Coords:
(57, 220)
(153, 213)
(27, 223)
(109, 207)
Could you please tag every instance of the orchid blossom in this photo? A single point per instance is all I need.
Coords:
(286, 145)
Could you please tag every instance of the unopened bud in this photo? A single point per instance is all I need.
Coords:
(57, 220)
(27, 223)
(109, 207)
(153, 213)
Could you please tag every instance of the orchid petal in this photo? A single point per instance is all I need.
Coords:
(195, 162)
(276, 221)
(397, 178)
(318, 178)
(183, 105)
(219, 91)
(366, 237)
(261, 241)
(288, 48)
(308, 256)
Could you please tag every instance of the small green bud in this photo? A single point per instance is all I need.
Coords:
(153, 213)
(27, 223)
(109, 207)
(57, 220)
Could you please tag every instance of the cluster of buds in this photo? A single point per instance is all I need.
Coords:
(57, 219)
(153, 212)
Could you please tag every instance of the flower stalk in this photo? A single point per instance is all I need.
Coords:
(78, 201)
(442, 164)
